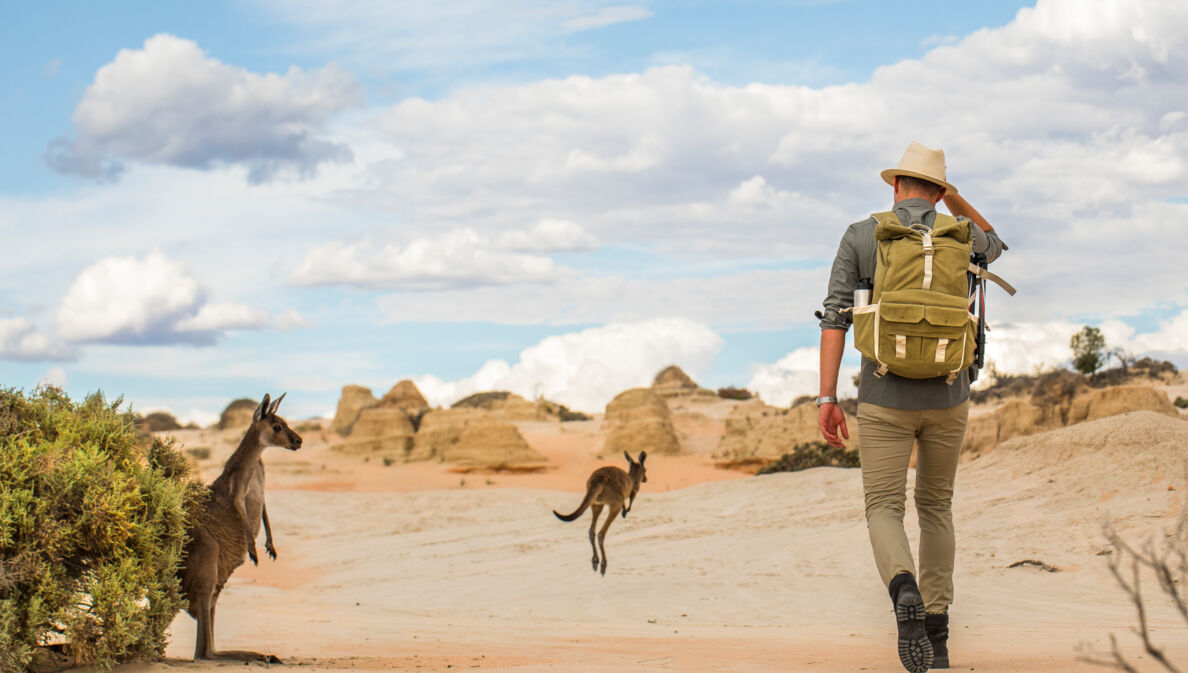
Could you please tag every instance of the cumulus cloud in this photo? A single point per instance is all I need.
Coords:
(461, 258)
(21, 340)
(1059, 126)
(797, 374)
(585, 369)
(170, 103)
(154, 300)
(1027, 348)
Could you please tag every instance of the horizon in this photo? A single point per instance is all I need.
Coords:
(208, 203)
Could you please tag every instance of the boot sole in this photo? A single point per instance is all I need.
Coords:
(915, 650)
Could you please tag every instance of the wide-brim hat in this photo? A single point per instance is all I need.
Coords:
(921, 162)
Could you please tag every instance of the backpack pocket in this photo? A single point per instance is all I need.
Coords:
(916, 341)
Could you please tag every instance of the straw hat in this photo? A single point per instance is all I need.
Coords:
(921, 162)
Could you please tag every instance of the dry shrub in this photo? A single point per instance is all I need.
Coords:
(1168, 562)
(92, 526)
(812, 454)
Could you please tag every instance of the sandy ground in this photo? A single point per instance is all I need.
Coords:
(407, 568)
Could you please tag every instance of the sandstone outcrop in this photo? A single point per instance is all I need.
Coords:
(405, 395)
(238, 414)
(471, 437)
(638, 420)
(672, 381)
(1119, 400)
(384, 432)
(757, 430)
(1059, 401)
(354, 400)
(509, 406)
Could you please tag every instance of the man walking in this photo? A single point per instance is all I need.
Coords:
(897, 411)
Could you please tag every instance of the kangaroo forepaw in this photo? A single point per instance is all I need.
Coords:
(603, 571)
(625, 514)
(595, 563)
(252, 555)
(271, 552)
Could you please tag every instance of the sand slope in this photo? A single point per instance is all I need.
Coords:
(753, 574)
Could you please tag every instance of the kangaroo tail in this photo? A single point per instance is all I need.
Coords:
(590, 495)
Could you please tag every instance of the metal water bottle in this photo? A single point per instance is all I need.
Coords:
(862, 292)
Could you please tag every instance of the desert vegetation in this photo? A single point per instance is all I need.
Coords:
(812, 454)
(92, 526)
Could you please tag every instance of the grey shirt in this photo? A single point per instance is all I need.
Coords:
(856, 257)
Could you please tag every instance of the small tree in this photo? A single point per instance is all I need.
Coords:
(1089, 349)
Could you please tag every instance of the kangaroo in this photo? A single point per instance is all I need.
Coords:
(609, 486)
(227, 526)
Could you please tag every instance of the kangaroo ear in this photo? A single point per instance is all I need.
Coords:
(628, 457)
(262, 410)
(275, 404)
(642, 456)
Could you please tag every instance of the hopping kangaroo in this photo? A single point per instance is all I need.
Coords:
(609, 486)
(227, 526)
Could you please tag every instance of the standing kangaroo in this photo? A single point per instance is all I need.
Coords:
(609, 486)
(227, 526)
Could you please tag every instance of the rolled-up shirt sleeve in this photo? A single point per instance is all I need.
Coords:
(986, 242)
(842, 279)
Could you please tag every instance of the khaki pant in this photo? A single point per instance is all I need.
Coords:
(885, 439)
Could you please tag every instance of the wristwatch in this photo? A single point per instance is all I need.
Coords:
(826, 399)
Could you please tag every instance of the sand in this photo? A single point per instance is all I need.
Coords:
(407, 568)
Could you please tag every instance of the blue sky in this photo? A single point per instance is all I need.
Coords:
(216, 200)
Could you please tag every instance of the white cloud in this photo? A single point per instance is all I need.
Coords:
(56, 376)
(289, 319)
(607, 16)
(146, 301)
(1028, 348)
(797, 374)
(754, 298)
(461, 258)
(217, 316)
(171, 103)
(549, 235)
(585, 369)
(406, 36)
(21, 340)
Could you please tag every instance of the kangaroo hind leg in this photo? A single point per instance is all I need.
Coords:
(595, 511)
(602, 535)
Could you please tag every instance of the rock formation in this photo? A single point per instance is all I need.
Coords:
(405, 395)
(354, 399)
(238, 414)
(158, 421)
(509, 406)
(1055, 404)
(471, 437)
(673, 382)
(385, 432)
(757, 430)
(1119, 400)
(638, 420)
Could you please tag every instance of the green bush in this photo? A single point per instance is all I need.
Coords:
(92, 526)
(1181, 402)
(812, 454)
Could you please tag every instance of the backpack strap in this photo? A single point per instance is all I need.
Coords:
(990, 276)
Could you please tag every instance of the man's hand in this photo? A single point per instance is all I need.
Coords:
(831, 418)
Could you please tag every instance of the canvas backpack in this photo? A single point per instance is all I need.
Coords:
(918, 324)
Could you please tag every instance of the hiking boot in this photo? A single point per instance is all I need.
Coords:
(915, 650)
(937, 627)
